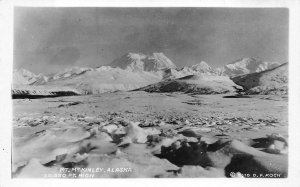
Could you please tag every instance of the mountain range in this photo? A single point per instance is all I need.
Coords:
(135, 70)
(245, 66)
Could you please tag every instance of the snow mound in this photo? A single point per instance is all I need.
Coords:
(270, 82)
(197, 84)
(138, 62)
(246, 66)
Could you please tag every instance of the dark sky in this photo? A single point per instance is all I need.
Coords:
(51, 39)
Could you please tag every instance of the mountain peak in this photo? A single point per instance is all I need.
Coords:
(159, 55)
(201, 65)
(25, 72)
(134, 55)
(23, 76)
(246, 66)
(247, 60)
(138, 61)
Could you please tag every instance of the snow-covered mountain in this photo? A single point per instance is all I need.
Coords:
(272, 81)
(246, 66)
(24, 77)
(65, 74)
(201, 67)
(23, 85)
(100, 80)
(142, 62)
(236, 68)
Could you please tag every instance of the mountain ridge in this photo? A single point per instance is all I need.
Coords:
(271, 81)
(246, 66)
(133, 70)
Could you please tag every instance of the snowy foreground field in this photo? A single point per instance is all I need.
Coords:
(140, 134)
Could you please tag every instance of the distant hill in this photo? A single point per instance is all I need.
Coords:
(272, 81)
(195, 84)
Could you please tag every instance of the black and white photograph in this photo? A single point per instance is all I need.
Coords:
(150, 92)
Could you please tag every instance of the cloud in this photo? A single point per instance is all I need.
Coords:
(96, 36)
